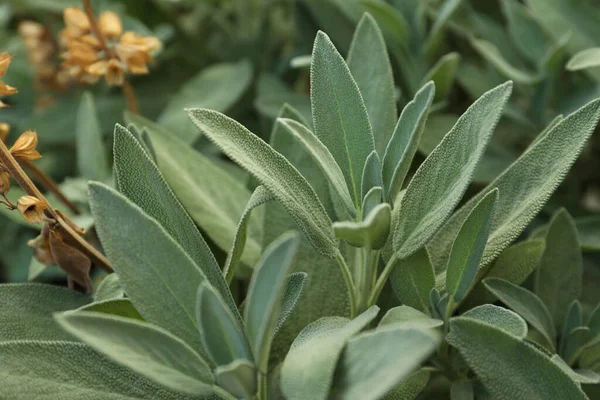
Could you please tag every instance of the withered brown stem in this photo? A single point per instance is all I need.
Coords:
(110, 53)
(28, 186)
(49, 184)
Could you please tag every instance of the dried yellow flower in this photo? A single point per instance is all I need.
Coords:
(4, 182)
(32, 209)
(4, 130)
(76, 22)
(24, 147)
(4, 88)
(110, 25)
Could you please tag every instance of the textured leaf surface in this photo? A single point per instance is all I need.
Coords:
(109, 288)
(588, 58)
(491, 53)
(412, 279)
(291, 296)
(441, 180)
(140, 180)
(274, 172)
(308, 369)
(525, 186)
(26, 311)
(371, 178)
(68, 370)
(498, 357)
(265, 294)
(371, 233)
(500, 318)
(560, 272)
(403, 145)
(91, 154)
(374, 363)
(217, 87)
(339, 114)
(443, 74)
(119, 307)
(144, 348)
(158, 276)
(526, 304)
(375, 79)
(411, 387)
(408, 317)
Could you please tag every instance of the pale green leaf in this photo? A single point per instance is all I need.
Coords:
(445, 13)
(392, 22)
(273, 171)
(500, 318)
(373, 363)
(492, 54)
(462, 390)
(525, 31)
(439, 183)
(371, 233)
(221, 332)
(158, 276)
(119, 307)
(92, 159)
(589, 58)
(110, 288)
(375, 79)
(217, 87)
(526, 304)
(144, 348)
(238, 378)
(309, 367)
(443, 74)
(339, 114)
(371, 177)
(412, 279)
(265, 295)
(409, 318)
(291, 296)
(411, 387)
(403, 145)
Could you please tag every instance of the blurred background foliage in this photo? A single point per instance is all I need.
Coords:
(247, 58)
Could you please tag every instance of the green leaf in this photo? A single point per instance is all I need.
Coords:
(525, 186)
(445, 13)
(273, 171)
(71, 371)
(525, 31)
(375, 79)
(373, 363)
(581, 376)
(443, 74)
(322, 157)
(393, 23)
(500, 318)
(339, 114)
(412, 279)
(497, 357)
(214, 199)
(468, 248)
(411, 387)
(265, 295)
(492, 54)
(589, 232)
(27, 308)
(91, 154)
(403, 145)
(259, 197)
(589, 58)
(409, 318)
(273, 94)
(221, 333)
(217, 87)
(526, 304)
(594, 321)
(462, 390)
(371, 233)
(110, 288)
(442, 179)
(371, 177)
(146, 349)
(372, 199)
(238, 378)
(158, 276)
(119, 307)
(309, 367)
(560, 272)
(291, 296)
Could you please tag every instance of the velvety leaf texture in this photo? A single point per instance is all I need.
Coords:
(412, 279)
(274, 172)
(91, 154)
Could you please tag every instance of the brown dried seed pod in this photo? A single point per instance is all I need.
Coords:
(76, 264)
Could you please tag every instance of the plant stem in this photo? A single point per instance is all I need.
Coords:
(349, 283)
(50, 185)
(223, 393)
(262, 386)
(15, 170)
(389, 267)
(110, 53)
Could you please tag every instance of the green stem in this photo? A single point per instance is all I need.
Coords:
(389, 267)
(262, 386)
(223, 393)
(349, 284)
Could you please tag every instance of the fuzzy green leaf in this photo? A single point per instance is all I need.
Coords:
(500, 318)
(217, 87)
(91, 154)
(109, 288)
(412, 279)
(526, 304)
(119, 307)
(441, 180)
(308, 369)
(144, 348)
(411, 387)
(27, 308)
(70, 371)
(371, 233)
(291, 296)
(443, 74)
(158, 276)
(409, 318)
(468, 248)
(444, 15)
(491, 53)
(589, 58)
(392, 22)
(525, 186)
(273, 171)
(371, 177)
(265, 295)
(374, 79)
(525, 31)
(238, 378)
(339, 114)
(497, 357)
(373, 363)
(462, 390)
(560, 272)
